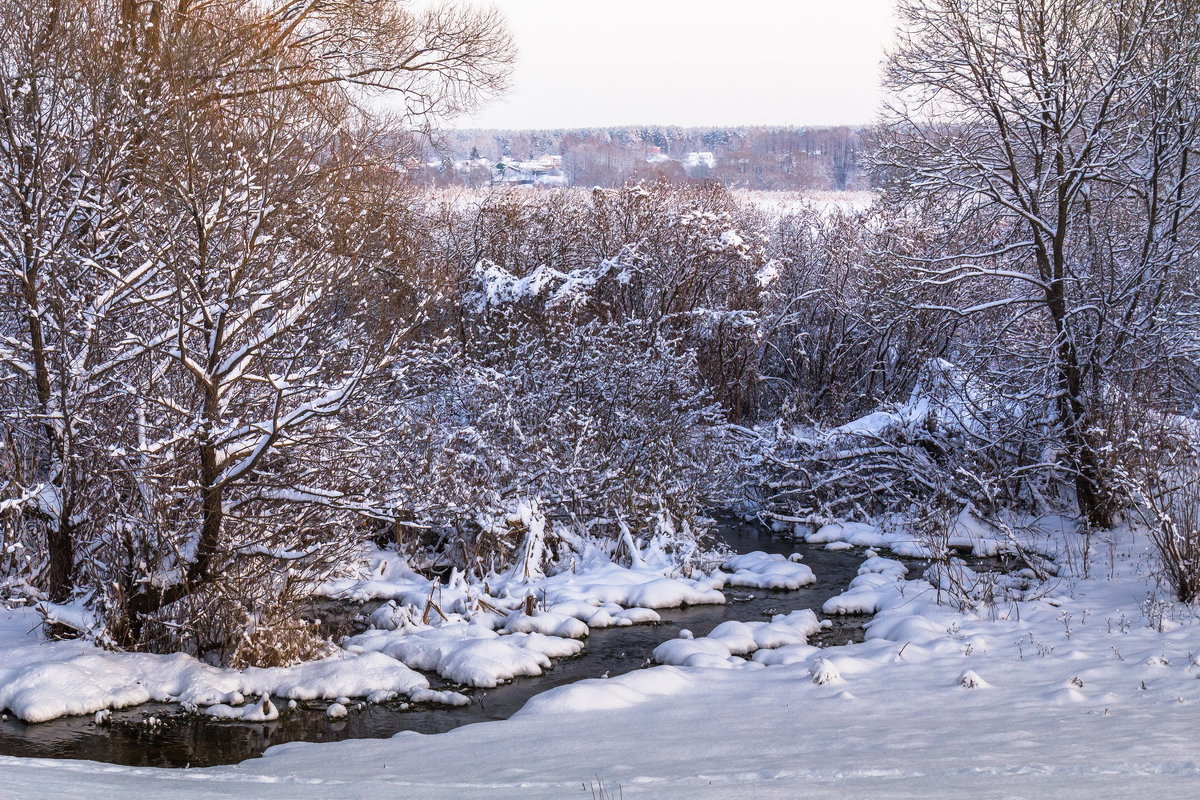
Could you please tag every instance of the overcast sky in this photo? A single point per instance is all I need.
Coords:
(592, 63)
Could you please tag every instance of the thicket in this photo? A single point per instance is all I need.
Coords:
(237, 345)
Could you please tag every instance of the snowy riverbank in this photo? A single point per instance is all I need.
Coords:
(1090, 690)
(472, 634)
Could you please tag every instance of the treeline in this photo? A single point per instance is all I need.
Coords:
(743, 157)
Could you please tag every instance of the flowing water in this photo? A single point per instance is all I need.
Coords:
(162, 736)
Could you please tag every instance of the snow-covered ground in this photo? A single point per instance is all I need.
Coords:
(1087, 688)
(475, 634)
(824, 201)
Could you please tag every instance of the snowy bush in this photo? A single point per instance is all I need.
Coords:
(688, 263)
(1161, 472)
(598, 428)
(846, 327)
(1175, 531)
(916, 455)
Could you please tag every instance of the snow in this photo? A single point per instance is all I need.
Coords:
(602, 694)
(41, 680)
(485, 634)
(871, 425)
(262, 711)
(630, 588)
(824, 202)
(590, 587)
(878, 584)
(550, 623)
(605, 615)
(455, 629)
(970, 680)
(861, 534)
(1080, 688)
(731, 238)
(721, 648)
(339, 677)
(760, 570)
(466, 653)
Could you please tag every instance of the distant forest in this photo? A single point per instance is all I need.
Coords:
(751, 157)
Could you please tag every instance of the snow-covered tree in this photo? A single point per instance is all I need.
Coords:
(1066, 131)
(196, 201)
(69, 292)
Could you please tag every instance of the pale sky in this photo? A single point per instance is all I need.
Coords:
(595, 63)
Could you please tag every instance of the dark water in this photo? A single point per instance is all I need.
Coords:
(161, 736)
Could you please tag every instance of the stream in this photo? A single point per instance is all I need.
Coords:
(160, 735)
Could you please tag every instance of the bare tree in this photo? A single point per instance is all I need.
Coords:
(1067, 128)
(67, 290)
(193, 196)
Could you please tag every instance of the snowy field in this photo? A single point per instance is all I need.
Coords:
(792, 202)
(774, 202)
(1087, 689)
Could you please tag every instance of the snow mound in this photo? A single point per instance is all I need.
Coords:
(970, 680)
(951, 576)
(788, 654)
(468, 654)
(824, 673)
(40, 681)
(860, 534)
(701, 652)
(262, 711)
(345, 677)
(550, 623)
(855, 533)
(605, 615)
(732, 638)
(883, 566)
(595, 581)
(905, 627)
(621, 691)
(759, 570)
(867, 594)
(440, 698)
(629, 588)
